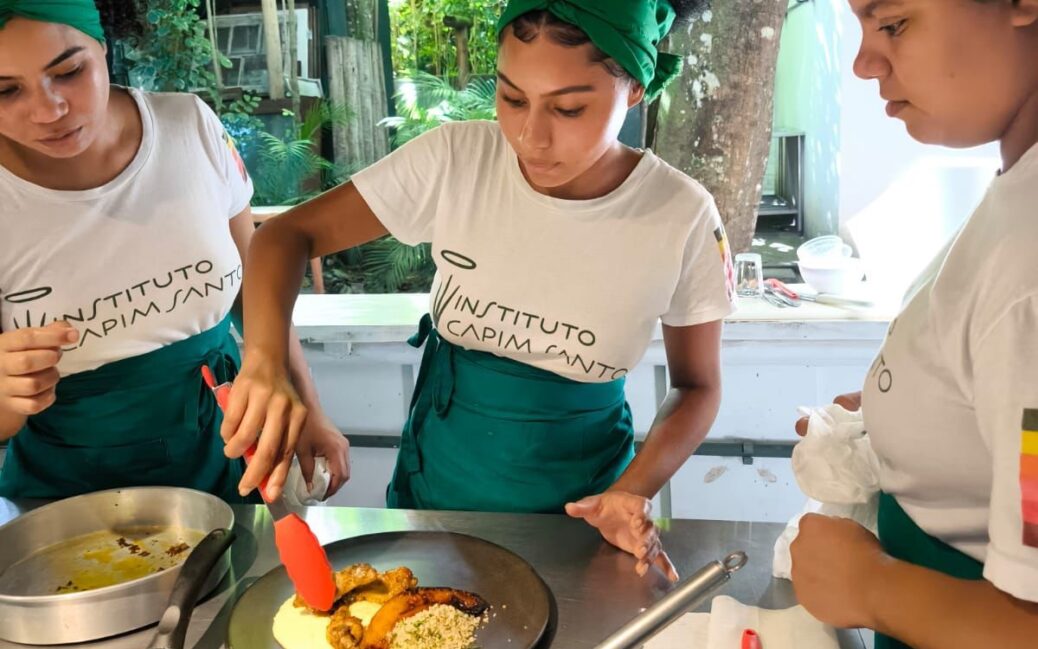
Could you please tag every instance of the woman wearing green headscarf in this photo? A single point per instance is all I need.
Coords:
(125, 216)
(559, 251)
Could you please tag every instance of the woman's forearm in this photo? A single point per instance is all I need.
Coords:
(929, 610)
(278, 255)
(299, 370)
(683, 422)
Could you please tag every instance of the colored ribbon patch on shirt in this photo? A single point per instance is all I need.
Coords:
(726, 257)
(229, 141)
(1029, 477)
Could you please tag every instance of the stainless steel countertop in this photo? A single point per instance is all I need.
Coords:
(594, 585)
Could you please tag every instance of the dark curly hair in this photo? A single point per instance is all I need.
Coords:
(120, 18)
(530, 25)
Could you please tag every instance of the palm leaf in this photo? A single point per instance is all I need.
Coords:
(431, 91)
(425, 101)
(389, 264)
(323, 116)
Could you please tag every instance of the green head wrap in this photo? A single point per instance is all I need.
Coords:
(628, 31)
(80, 14)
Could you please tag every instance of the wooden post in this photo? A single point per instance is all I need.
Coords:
(286, 42)
(461, 27)
(210, 10)
(292, 28)
(356, 80)
(272, 39)
(317, 275)
(714, 123)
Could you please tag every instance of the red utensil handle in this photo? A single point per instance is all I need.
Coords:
(222, 393)
(781, 287)
(750, 640)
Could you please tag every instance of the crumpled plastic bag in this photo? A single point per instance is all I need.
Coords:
(837, 469)
(296, 494)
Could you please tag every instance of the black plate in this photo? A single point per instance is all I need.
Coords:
(520, 600)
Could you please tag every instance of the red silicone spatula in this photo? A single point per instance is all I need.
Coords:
(300, 551)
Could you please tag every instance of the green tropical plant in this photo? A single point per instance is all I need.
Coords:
(174, 52)
(288, 170)
(240, 113)
(283, 171)
(422, 42)
(424, 102)
(285, 164)
(393, 267)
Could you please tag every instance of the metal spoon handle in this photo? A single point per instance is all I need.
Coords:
(688, 594)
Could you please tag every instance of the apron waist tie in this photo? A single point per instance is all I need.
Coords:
(434, 389)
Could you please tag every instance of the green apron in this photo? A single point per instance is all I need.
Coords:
(491, 434)
(142, 421)
(903, 539)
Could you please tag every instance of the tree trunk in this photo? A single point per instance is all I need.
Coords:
(439, 58)
(464, 70)
(714, 123)
(362, 19)
(272, 40)
(462, 28)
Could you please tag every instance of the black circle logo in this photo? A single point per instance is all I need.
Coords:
(28, 296)
(458, 259)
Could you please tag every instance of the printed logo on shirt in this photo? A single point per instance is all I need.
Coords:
(99, 317)
(229, 141)
(882, 374)
(1029, 477)
(472, 319)
(726, 258)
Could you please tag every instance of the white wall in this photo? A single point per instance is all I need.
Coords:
(807, 99)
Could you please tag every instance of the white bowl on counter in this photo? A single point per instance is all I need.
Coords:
(825, 247)
(833, 275)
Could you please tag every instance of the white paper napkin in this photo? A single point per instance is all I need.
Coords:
(722, 628)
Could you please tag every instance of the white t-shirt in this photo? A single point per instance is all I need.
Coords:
(141, 262)
(573, 287)
(950, 399)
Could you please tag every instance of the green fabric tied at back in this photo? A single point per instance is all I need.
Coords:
(79, 14)
(628, 31)
(903, 539)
